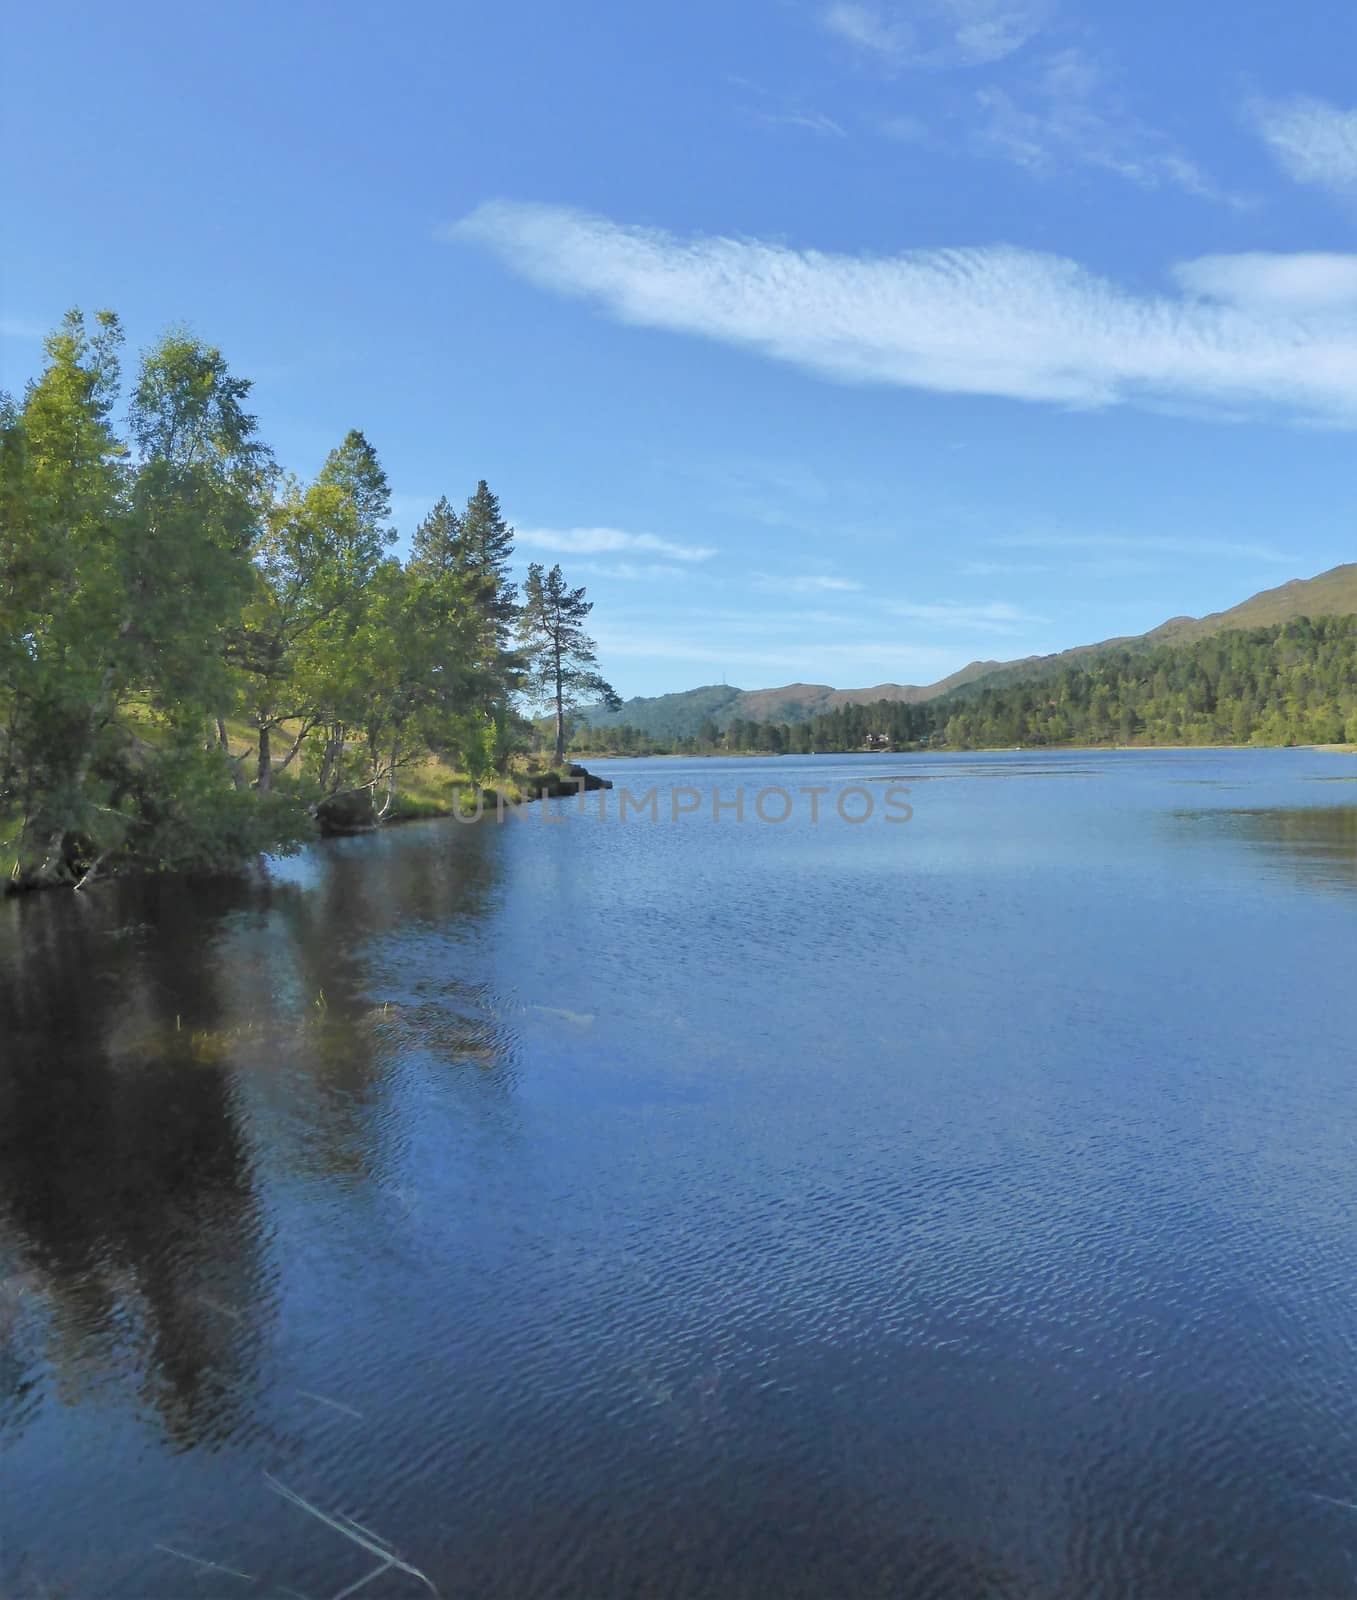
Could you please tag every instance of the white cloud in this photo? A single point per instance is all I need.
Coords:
(601, 541)
(631, 571)
(774, 109)
(1004, 569)
(21, 328)
(904, 129)
(990, 320)
(1111, 566)
(877, 661)
(409, 510)
(988, 32)
(1065, 114)
(769, 646)
(1285, 282)
(1315, 142)
(811, 583)
(935, 33)
(1159, 544)
(811, 121)
(995, 617)
(870, 28)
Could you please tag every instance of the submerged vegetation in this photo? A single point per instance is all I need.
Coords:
(203, 658)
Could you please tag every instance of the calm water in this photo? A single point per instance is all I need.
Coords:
(961, 1208)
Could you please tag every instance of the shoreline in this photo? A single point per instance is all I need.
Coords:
(551, 784)
(532, 786)
(947, 750)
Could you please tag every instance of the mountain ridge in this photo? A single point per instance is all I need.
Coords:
(681, 713)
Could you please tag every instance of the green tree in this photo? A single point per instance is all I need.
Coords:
(316, 553)
(488, 546)
(437, 545)
(65, 519)
(122, 567)
(330, 659)
(411, 669)
(562, 658)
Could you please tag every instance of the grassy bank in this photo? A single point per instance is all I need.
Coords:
(430, 788)
(436, 788)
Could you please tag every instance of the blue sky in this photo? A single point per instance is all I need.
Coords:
(835, 341)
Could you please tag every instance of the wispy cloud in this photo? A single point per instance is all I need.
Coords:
(775, 109)
(1315, 142)
(992, 320)
(811, 121)
(1111, 566)
(873, 660)
(864, 645)
(408, 510)
(935, 33)
(633, 571)
(995, 617)
(904, 129)
(604, 541)
(21, 328)
(810, 583)
(1065, 113)
(1315, 281)
(871, 28)
(1161, 544)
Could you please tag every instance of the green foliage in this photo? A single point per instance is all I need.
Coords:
(163, 583)
(851, 727)
(473, 551)
(667, 717)
(187, 815)
(1295, 683)
(120, 573)
(562, 658)
(487, 543)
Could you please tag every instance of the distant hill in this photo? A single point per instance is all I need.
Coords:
(1331, 594)
(669, 716)
(680, 715)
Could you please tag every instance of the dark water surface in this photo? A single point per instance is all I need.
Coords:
(960, 1208)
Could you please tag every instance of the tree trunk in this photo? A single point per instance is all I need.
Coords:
(560, 713)
(291, 756)
(264, 784)
(55, 868)
(237, 762)
(390, 787)
(332, 758)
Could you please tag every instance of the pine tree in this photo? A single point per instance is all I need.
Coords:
(562, 658)
(487, 543)
(437, 546)
(354, 469)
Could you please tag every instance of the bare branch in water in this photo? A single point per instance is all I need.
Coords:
(335, 1405)
(357, 1534)
(205, 1566)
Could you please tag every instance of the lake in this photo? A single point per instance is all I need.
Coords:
(948, 1204)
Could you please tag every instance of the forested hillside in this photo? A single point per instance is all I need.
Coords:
(1291, 684)
(1295, 683)
(682, 715)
